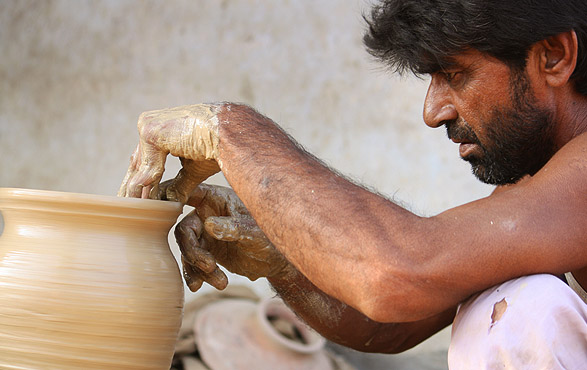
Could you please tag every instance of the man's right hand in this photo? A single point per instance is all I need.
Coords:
(221, 231)
(189, 132)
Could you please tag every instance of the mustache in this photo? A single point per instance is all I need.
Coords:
(460, 131)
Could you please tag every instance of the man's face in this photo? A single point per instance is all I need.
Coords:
(494, 116)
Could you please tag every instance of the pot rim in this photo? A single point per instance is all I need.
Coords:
(59, 201)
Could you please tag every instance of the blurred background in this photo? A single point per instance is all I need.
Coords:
(76, 74)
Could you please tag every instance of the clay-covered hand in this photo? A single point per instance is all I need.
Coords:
(189, 132)
(221, 231)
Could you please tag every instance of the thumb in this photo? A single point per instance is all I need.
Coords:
(241, 229)
(223, 228)
(190, 175)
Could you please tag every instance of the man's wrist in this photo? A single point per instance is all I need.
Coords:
(288, 276)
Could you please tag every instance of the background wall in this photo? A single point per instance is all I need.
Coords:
(75, 75)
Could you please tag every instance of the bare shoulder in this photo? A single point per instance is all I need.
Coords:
(561, 185)
(566, 172)
(569, 163)
(573, 155)
(558, 195)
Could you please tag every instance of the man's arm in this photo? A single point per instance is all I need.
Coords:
(346, 326)
(383, 260)
(356, 246)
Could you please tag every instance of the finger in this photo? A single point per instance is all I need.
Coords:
(217, 278)
(207, 193)
(215, 200)
(198, 256)
(223, 228)
(132, 168)
(181, 186)
(168, 187)
(162, 195)
(150, 171)
(154, 193)
(243, 229)
(192, 278)
(187, 234)
(189, 177)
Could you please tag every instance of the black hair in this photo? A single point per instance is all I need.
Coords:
(422, 36)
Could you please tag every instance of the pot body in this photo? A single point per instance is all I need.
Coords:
(87, 282)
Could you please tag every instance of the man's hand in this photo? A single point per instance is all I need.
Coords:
(189, 132)
(222, 231)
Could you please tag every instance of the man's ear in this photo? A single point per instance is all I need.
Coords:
(558, 57)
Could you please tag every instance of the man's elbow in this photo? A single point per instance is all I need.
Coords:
(386, 300)
(386, 310)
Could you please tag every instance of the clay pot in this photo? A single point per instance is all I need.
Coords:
(272, 311)
(238, 334)
(87, 282)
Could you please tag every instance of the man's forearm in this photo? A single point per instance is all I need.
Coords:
(346, 326)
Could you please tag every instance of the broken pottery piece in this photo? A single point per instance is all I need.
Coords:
(282, 325)
(233, 334)
(87, 282)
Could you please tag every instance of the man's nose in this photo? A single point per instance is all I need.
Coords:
(438, 107)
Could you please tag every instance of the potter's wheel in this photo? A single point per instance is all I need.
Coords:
(229, 336)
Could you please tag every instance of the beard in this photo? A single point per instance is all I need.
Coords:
(519, 139)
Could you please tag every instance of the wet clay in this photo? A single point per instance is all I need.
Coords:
(189, 132)
(87, 282)
(231, 238)
(194, 129)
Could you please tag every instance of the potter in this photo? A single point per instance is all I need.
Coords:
(508, 82)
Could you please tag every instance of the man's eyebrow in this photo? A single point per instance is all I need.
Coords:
(464, 67)
(438, 66)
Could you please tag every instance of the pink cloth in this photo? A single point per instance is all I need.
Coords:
(533, 322)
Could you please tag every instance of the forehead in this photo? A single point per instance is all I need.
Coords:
(470, 58)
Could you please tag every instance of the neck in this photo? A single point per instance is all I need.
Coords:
(571, 117)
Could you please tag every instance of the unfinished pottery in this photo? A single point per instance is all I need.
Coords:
(236, 334)
(87, 282)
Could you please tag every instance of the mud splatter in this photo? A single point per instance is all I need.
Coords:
(498, 310)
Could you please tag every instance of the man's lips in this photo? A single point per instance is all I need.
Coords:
(466, 146)
(466, 149)
(462, 134)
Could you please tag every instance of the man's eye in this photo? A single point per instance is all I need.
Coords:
(451, 76)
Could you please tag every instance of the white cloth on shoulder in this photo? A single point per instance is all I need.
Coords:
(533, 322)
